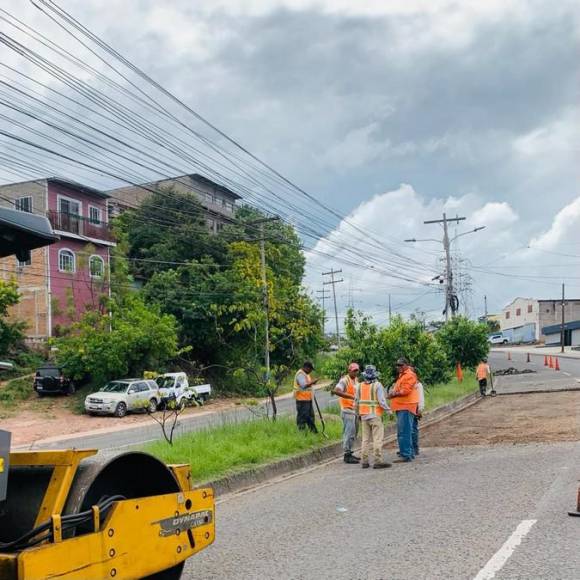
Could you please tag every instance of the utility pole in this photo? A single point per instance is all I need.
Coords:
(390, 311)
(323, 296)
(334, 282)
(563, 327)
(485, 306)
(451, 302)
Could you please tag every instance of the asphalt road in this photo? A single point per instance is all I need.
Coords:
(543, 379)
(444, 516)
(119, 440)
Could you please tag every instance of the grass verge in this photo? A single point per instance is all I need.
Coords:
(235, 447)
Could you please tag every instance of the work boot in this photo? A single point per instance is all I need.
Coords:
(350, 458)
(381, 465)
(365, 465)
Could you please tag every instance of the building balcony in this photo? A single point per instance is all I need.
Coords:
(80, 226)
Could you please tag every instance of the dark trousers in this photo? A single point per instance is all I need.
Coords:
(305, 415)
(483, 386)
(415, 434)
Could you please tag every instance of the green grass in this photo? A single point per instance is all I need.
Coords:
(15, 391)
(438, 395)
(235, 447)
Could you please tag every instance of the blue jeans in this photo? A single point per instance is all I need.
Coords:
(405, 421)
(415, 435)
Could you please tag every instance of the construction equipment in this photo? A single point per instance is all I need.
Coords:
(66, 514)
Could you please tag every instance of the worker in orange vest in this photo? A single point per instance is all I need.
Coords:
(482, 373)
(346, 391)
(371, 404)
(404, 400)
(303, 394)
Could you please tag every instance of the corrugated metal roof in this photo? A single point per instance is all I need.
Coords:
(21, 230)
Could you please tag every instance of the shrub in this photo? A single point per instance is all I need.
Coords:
(464, 341)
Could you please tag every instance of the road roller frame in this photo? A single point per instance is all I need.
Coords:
(136, 538)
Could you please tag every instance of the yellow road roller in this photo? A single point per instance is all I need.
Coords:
(68, 515)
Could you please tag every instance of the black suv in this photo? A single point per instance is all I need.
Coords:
(50, 379)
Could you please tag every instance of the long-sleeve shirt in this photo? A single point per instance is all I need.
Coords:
(405, 387)
(381, 400)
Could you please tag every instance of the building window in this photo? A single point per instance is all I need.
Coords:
(69, 206)
(507, 315)
(66, 261)
(94, 215)
(518, 311)
(96, 267)
(23, 203)
(530, 308)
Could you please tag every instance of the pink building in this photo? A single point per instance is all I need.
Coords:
(61, 281)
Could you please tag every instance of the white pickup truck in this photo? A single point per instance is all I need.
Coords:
(176, 386)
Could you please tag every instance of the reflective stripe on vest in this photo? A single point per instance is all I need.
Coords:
(368, 402)
(301, 394)
(350, 390)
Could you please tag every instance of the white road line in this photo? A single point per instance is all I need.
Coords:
(498, 560)
(567, 374)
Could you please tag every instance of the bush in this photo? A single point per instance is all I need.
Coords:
(464, 341)
(16, 390)
(136, 337)
(369, 344)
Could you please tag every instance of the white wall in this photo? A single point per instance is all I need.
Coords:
(519, 314)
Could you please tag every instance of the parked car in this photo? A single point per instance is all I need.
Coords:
(175, 386)
(50, 380)
(123, 396)
(498, 339)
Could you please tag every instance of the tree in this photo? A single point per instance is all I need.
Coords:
(493, 326)
(136, 337)
(366, 343)
(11, 333)
(464, 341)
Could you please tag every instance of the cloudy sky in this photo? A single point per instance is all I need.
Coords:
(390, 113)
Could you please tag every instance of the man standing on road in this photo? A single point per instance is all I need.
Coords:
(346, 390)
(404, 399)
(303, 394)
(482, 373)
(371, 404)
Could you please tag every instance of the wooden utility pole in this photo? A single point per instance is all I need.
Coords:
(334, 282)
(485, 303)
(390, 311)
(563, 327)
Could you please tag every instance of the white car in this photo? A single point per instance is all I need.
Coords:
(122, 396)
(175, 386)
(498, 339)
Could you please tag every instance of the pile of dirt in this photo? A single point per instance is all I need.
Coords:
(512, 371)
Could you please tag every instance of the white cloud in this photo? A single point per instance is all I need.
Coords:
(565, 229)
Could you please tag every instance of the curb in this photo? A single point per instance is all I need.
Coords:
(244, 480)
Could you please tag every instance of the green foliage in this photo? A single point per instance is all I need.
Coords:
(368, 344)
(212, 285)
(493, 326)
(134, 338)
(11, 333)
(16, 390)
(464, 341)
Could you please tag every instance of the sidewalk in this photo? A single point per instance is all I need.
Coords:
(540, 350)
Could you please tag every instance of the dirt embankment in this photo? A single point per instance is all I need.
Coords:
(529, 418)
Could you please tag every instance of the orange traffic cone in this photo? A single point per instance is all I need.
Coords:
(459, 372)
(509, 355)
(528, 359)
(557, 365)
(550, 362)
(545, 360)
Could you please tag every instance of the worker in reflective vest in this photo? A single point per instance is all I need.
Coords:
(303, 384)
(346, 391)
(404, 400)
(482, 373)
(371, 404)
